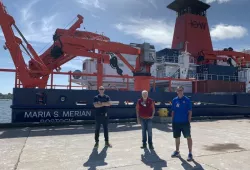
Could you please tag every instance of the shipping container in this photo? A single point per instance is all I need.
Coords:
(210, 86)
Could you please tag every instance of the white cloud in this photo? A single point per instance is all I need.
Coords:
(95, 16)
(25, 12)
(158, 32)
(37, 29)
(222, 32)
(153, 31)
(41, 31)
(219, 1)
(152, 2)
(88, 4)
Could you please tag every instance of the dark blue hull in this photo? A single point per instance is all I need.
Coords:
(54, 105)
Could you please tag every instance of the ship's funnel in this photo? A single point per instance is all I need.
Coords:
(191, 26)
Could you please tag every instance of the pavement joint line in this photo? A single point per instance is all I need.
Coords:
(154, 162)
(243, 150)
(210, 166)
(19, 156)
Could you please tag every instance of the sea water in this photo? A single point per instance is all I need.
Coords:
(5, 111)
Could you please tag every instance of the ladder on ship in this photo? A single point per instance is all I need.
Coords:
(176, 74)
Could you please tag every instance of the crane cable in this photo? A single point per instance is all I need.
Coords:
(20, 33)
(53, 40)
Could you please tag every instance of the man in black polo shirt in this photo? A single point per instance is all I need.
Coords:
(101, 103)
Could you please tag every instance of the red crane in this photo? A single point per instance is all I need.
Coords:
(68, 44)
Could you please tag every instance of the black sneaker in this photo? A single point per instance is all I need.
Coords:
(96, 145)
(144, 145)
(151, 146)
(175, 154)
(190, 157)
(107, 144)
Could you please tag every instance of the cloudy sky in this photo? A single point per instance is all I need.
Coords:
(124, 21)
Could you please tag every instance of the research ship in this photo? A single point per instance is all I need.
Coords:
(216, 81)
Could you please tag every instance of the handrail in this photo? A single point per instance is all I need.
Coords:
(173, 59)
(200, 76)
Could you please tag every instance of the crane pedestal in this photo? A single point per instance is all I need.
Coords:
(142, 83)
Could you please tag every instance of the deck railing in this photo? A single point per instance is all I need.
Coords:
(70, 74)
(173, 59)
(128, 79)
(199, 76)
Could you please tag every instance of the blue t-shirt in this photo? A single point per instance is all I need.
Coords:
(181, 106)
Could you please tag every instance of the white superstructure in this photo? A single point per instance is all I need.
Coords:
(169, 63)
(90, 66)
(177, 65)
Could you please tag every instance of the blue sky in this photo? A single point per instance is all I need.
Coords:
(124, 21)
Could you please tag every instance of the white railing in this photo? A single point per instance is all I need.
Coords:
(168, 59)
(198, 76)
(173, 59)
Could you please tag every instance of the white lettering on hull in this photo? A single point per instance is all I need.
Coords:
(55, 114)
(76, 113)
(37, 114)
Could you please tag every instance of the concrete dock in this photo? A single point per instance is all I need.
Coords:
(217, 144)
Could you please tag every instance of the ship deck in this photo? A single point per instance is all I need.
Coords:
(217, 144)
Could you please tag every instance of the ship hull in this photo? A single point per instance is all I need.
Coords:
(56, 105)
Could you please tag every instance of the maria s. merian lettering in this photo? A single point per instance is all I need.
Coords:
(56, 114)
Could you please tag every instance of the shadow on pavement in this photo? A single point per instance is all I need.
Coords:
(165, 127)
(96, 159)
(187, 166)
(150, 158)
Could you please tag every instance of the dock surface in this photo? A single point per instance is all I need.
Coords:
(217, 144)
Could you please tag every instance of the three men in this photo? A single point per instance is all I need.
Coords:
(181, 118)
(101, 103)
(145, 110)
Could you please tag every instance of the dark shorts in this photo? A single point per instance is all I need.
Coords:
(185, 128)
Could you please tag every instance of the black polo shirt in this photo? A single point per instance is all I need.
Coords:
(104, 109)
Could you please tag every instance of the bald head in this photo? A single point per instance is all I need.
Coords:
(144, 94)
(101, 90)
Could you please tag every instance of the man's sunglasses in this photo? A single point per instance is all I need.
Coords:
(101, 89)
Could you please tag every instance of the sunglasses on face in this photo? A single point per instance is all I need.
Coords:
(101, 89)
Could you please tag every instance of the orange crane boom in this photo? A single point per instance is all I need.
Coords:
(68, 44)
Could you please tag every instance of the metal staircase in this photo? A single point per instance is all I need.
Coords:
(176, 74)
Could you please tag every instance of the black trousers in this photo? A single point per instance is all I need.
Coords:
(104, 121)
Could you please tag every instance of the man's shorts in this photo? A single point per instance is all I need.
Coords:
(185, 128)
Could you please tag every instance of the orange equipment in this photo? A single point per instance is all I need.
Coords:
(69, 43)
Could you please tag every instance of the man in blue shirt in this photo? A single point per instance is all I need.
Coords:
(181, 118)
